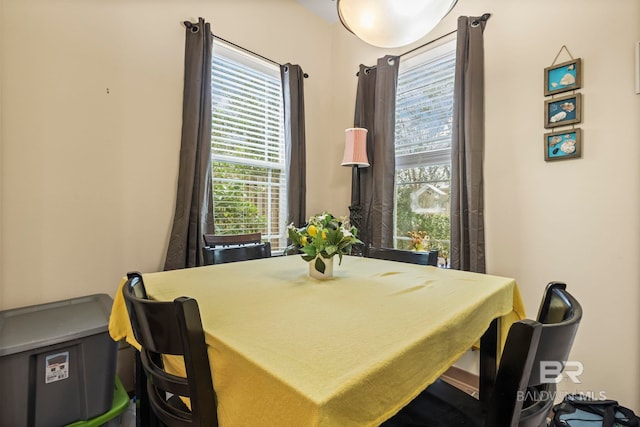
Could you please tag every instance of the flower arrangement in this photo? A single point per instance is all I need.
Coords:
(323, 236)
(419, 240)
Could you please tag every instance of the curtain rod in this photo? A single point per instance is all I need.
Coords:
(484, 17)
(428, 43)
(373, 67)
(190, 25)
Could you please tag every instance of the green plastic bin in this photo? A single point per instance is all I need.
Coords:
(120, 404)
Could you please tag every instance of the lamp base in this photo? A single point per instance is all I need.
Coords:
(355, 218)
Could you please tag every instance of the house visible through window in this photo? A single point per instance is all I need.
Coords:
(247, 144)
(424, 117)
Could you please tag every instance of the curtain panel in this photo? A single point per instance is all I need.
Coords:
(292, 78)
(194, 202)
(467, 148)
(375, 111)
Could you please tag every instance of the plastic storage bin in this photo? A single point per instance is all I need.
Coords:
(111, 418)
(57, 362)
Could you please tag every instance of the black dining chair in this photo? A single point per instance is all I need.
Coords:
(521, 395)
(226, 240)
(172, 328)
(401, 255)
(220, 249)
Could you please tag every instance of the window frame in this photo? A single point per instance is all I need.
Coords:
(434, 157)
(277, 236)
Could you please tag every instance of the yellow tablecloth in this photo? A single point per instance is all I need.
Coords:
(287, 350)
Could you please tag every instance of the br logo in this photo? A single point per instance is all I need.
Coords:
(552, 371)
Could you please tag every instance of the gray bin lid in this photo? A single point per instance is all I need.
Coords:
(28, 328)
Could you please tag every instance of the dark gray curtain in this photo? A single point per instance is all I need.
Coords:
(194, 203)
(375, 111)
(467, 150)
(294, 130)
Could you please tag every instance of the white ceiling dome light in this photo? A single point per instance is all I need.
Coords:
(392, 23)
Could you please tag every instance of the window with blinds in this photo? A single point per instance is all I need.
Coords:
(247, 145)
(424, 117)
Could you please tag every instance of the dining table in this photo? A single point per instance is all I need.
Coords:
(289, 350)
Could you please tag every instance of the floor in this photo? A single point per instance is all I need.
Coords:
(463, 380)
(128, 418)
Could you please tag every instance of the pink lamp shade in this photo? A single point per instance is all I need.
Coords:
(355, 148)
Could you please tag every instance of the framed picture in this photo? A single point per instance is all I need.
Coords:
(563, 77)
(563, 111)
(565, 144)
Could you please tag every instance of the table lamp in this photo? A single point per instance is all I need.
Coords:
(355, 155)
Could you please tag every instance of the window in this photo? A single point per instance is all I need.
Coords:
(247, 144)
(424, 118)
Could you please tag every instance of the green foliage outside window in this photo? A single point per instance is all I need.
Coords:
(239, 198)
(431, 214)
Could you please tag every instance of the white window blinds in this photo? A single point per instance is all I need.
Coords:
(247, 141)
(424, 108)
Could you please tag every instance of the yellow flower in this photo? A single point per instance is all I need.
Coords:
(419, 240)
(324, 234)
(304, 240)
(312, 230)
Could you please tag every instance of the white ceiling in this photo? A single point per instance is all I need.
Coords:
(326, 9)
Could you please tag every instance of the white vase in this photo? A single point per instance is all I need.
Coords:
(328, 269)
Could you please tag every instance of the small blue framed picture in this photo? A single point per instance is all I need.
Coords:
(566, 144)
(563, 111)
(563, 77)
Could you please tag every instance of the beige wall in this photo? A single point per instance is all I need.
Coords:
(88, 178)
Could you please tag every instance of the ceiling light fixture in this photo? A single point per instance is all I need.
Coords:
(392, 23)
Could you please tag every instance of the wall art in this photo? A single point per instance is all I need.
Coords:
(563, 111)
(563, 77)
(565, 144)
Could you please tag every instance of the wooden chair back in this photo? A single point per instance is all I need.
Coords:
(523, 373)
(172, 328)
(214, 240)
(236, 253)
(220, 249)
(400, 255)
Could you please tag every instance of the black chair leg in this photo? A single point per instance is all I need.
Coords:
(488, 361)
